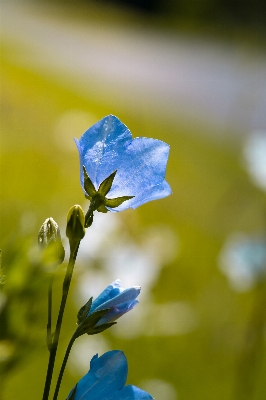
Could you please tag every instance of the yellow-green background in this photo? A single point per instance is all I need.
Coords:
(212, 197)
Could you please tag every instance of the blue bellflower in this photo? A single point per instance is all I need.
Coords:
(140, 164)
(106, 380)
(117, 299)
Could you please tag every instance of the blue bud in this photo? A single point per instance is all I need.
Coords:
(117, 300)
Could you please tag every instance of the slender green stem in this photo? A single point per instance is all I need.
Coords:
(49, 319)
(55, 340)
(70, 344)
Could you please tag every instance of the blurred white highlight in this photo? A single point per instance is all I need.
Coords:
(109, 252)
(243, 260)
(108, 245)
(168, 319)
(255, 157)
(82, 352)
(159, 389)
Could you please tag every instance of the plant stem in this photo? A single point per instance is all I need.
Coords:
(54, 345)
(70, 344)
(49, 320)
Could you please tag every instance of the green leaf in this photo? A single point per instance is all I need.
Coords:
(117, 201)
(106, 185)
(88, 185)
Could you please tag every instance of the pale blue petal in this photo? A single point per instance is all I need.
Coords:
(107, 375)
(153, 193)
(127, 296)
(141, 166)
(100, 148)
(116, 313)
(111, 291)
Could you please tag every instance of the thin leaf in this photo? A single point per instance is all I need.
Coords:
(117, 201)
(106, 185)
(88, 185)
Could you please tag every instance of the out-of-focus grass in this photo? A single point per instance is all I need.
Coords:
(211, 197)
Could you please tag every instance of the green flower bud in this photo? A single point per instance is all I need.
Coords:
(49, 239)
(75, 230)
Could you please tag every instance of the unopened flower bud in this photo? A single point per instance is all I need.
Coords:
(75, 230)
(49, 237)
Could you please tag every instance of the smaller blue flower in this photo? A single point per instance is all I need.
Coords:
(117, 299)
(135, 168)
(106, 380)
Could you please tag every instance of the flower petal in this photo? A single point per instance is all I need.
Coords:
(126, 296)
(140, 163)
(154, 193)
(100, 148)
(131, 393)
(107, 375)
(141, 166)
(116, 313)
(111, 291)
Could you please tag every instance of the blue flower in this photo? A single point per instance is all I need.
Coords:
(140, 165)
(106, 380)
(117, 299)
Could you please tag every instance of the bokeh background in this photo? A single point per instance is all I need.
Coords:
(191, 73)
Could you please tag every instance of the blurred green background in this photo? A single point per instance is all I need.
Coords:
(188, 75)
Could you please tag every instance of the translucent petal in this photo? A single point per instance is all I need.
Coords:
(141, 166)
(100, 148)
(153, 193)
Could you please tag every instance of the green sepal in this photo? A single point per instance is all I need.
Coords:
(73, 393)
(83, 312)
(106, 185)
(101, 328)
(117, 201)
(102, 209)
(88, 185)
(89, 323)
